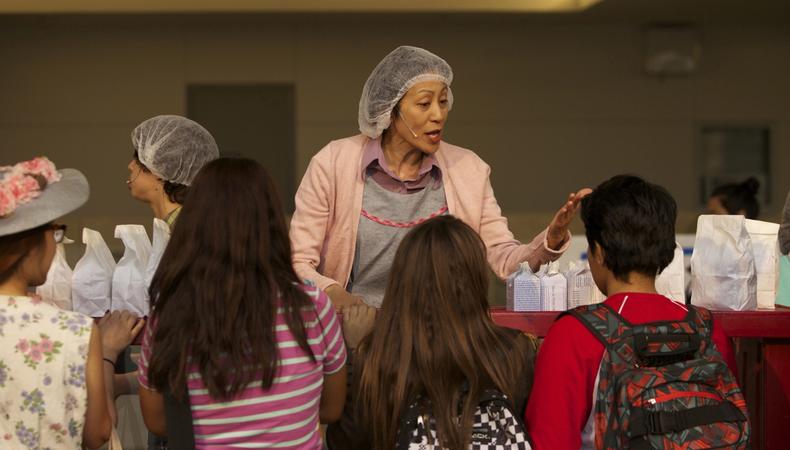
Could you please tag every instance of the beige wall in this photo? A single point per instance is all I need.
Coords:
(552, 106)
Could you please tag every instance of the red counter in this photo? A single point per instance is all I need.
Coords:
(762, 342)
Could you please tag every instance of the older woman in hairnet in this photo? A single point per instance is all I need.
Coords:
(168, 153)
(362, 194)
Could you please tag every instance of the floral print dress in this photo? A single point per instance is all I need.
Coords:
(43, 355)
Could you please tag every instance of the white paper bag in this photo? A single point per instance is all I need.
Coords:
(57, 289)
(723, 275)
(581, 286)
(91, 285)
(671, 282)
(128, 280)
(764, 236)
(525, 290)
(553, 289)
(161, 236)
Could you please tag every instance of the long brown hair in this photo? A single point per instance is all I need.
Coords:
(225, 272)
(433, 335)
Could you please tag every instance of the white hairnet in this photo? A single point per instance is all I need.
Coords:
(174, 148)
(392, 78)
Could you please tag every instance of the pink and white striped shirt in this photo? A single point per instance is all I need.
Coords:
(285, 415)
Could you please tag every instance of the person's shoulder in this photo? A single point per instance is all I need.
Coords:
(40, 307)
(317, 296)
(569, 331)
(455, 151)
(521, 342)
(57, 321)
(71, 320)
(459, 158)
(518, 335)
(340, 149)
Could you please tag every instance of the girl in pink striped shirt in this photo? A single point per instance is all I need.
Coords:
(259, 356)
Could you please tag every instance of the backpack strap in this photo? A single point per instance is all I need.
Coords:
(702, 319)
(645, 422)
(408, 423)
(178, 415)
(602, 321)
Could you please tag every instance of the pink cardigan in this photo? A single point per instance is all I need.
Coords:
(329, 201)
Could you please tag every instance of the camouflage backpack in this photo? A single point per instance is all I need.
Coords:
(663, 385)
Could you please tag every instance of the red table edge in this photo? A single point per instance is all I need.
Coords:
(737, 324)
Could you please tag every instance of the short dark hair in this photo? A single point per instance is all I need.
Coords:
(634, 223)
(736, 197)
(176, 192)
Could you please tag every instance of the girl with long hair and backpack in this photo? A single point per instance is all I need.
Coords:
(258, 355)
(434, 361)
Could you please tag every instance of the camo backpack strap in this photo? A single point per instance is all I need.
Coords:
(609, 327)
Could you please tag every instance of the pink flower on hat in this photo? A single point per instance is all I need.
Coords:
(7, 201)
(24, 187)
(42, 166)
(20, 183)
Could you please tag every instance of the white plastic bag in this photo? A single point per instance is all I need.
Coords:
(671, 282)
(128, 280)
(723, 275)
(764, 236)
(91, 285)
(523, 290)
(57, 289)
(161, 236)
(553, 289)
(581, 286)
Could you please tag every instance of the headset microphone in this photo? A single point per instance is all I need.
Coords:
(407, 125)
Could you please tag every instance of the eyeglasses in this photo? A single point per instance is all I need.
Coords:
(59, 233)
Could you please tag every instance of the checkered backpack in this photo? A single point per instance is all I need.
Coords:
(663, 385)
(495, 426)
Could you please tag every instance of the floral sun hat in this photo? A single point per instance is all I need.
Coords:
(34, 193)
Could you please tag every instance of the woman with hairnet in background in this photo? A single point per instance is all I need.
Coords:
(168, 152)
(362, 194)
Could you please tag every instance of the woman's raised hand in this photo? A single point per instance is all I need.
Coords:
(558, 228)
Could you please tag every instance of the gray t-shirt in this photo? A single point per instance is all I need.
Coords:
(386, 218)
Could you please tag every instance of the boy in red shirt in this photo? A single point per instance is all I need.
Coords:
(630, 227)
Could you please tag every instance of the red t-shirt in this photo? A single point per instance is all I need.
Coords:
(567, 365)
